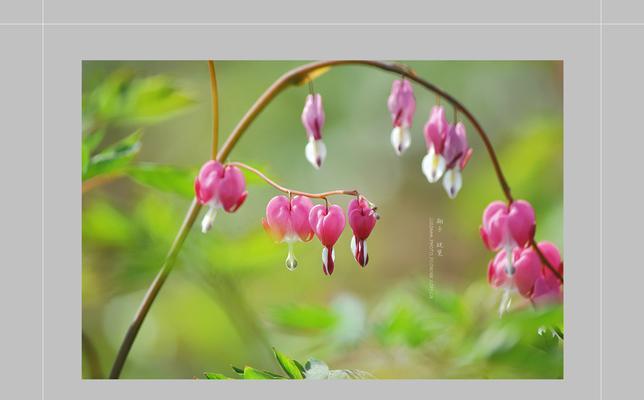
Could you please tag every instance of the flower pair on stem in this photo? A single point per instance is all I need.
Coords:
(533, 270)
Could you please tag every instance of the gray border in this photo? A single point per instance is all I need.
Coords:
(21, 211)
(67, 46)
(337, 11)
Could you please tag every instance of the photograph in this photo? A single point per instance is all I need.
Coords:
(322, 219)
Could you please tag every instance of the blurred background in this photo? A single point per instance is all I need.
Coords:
(230, 298)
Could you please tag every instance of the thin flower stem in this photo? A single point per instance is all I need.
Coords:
(297, 76)
(154, 289)
(545, 261)
(302, 75)
(283, 189)
(215, 108)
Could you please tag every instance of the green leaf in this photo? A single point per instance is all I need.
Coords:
(304, 317)
(85, 159)
(116, 157)
(93, 139)
(90, 143)
(213, 375)
(252, 373)
(165, 178)
(123, 98)
(240, 371)
(291, 369)
(153, 99)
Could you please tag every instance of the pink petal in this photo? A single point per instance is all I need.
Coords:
(436, 129)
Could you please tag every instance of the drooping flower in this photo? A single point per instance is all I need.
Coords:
(548, 288)
(402, 105)
(433, 164)
(362, 219)
(521, 274)
(328, 224)
(288, 221)
(525, 273)
(313, 120)
(507, 226)
(219, 186)
(447, 151)
(456, 153)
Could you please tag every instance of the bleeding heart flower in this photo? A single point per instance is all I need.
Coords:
(433, 164)
(447, 151)
(219, 187)
(288, 221)
(507, 226)
(518, 272)
(402, 105)
(328, 224)
(362, 219)
(456, 153)
(548, 288)
(313, 120)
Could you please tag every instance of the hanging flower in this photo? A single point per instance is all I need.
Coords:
(328, 223)
(548, 287)
(447, 151)
(525, 273)
(507, 226)
(362, 219)
(288, 221)
(313, 120)
(402, 105)
(433, 164)
(219, 187)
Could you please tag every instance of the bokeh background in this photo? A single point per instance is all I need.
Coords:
(230, 298)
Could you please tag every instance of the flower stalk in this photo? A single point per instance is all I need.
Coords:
(304, 74)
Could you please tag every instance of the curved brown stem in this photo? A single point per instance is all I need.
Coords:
(288, 191)
(304, 74)
(296, 76)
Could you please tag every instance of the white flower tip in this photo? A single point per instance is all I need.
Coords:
(433, 166)
(452, 182)
(400, 139)
(315, 152)
(208, 219)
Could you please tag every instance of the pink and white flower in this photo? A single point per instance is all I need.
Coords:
(288, 221)
(328, 224)
(362, 219)
(447, 151)
(219, 187)
(402, 105)
(313, 121)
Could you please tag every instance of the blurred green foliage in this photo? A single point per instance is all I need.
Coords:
(230, 298)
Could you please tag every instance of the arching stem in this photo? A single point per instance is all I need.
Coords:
(297, 76)
(292, 192)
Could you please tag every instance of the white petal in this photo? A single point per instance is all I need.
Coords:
(291, 261)
(315, 152)
(354, 248)
(325, 252)
(208, 219)
(400, 139)
(433, 166)
(452, 182)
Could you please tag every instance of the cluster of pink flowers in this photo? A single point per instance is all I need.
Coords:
(447, 149)
(288, 219)
(297, 219)
(517, 267)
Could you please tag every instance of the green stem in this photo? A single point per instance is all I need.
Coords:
(296, 76)
(154, 289)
